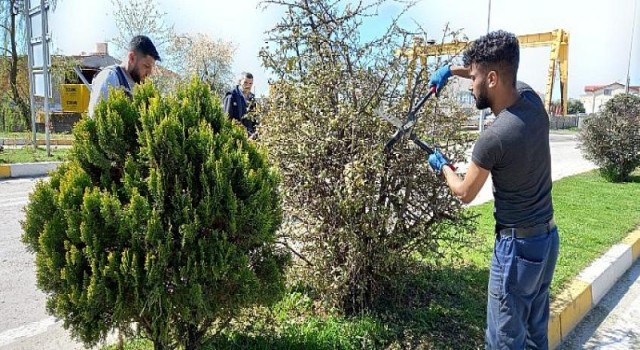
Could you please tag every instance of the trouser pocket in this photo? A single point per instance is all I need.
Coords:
(526, 276)
(529, 263)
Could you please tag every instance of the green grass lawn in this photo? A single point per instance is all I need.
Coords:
(569, 131)
(27, 135)
(592, 215)
(26, 154)
(444, 307)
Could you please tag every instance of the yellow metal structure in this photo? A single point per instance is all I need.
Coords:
(558, 40)
(74, 97)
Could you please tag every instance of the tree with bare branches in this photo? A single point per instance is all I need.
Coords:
(12, 32)
(141, 17)
(187, 55)
(355, 213)
(205, 57)
(13, 57)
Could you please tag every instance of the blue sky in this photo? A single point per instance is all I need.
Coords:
(600, 31)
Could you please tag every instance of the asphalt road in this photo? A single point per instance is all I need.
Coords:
(566, 160)
(24, 323)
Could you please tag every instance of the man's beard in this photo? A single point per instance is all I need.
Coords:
(135, 75)
(482, 100)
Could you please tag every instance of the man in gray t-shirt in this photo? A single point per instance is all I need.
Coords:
(515, 151)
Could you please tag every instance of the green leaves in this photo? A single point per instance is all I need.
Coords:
(354, 212)
(611, 139)
(165, 216)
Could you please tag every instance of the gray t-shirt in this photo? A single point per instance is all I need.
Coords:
(516, 151)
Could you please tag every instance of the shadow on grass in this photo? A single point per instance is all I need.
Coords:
(616, 178)
(441, 308)
(267, 343)
(634, 178)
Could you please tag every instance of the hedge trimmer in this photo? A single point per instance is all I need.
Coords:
(406, 129)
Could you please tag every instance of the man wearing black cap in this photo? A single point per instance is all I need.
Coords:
(139, 63)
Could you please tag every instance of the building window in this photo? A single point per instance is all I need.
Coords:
(607, 92)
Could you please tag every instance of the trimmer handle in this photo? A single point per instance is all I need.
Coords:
(423, 145)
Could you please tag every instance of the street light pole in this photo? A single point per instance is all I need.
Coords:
(489, 17)
(483, 113)
(633, 27)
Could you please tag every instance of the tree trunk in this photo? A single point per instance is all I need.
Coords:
(194, 338)
(13, 69)
(157, 345)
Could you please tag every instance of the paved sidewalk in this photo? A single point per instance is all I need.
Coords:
(27, 169)
(588, 289)
(614, 324)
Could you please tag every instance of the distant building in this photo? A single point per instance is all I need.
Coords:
(597, 95)
(91, 63)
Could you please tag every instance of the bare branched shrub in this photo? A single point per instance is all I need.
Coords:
(355, 213)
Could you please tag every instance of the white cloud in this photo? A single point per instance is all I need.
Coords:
(599, 44)
(600, 34)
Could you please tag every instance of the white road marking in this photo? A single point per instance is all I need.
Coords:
(26, 331)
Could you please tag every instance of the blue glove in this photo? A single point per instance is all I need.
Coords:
(440, 77)
(437, 161)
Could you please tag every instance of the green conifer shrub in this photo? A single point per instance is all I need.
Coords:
(161, 223)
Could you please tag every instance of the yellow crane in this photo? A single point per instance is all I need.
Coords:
(558, 39)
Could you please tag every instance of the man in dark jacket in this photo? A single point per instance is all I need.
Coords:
(239, 101)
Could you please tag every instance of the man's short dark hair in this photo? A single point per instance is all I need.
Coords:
(498, 51)
(243, 76)
(143, 45)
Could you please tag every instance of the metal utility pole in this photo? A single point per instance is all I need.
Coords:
(633, 27)
(38, 41)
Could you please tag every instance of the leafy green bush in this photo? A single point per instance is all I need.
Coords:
(10, 118)
(611, 139)
(355, 213)
(165, 217)
(575, 106)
